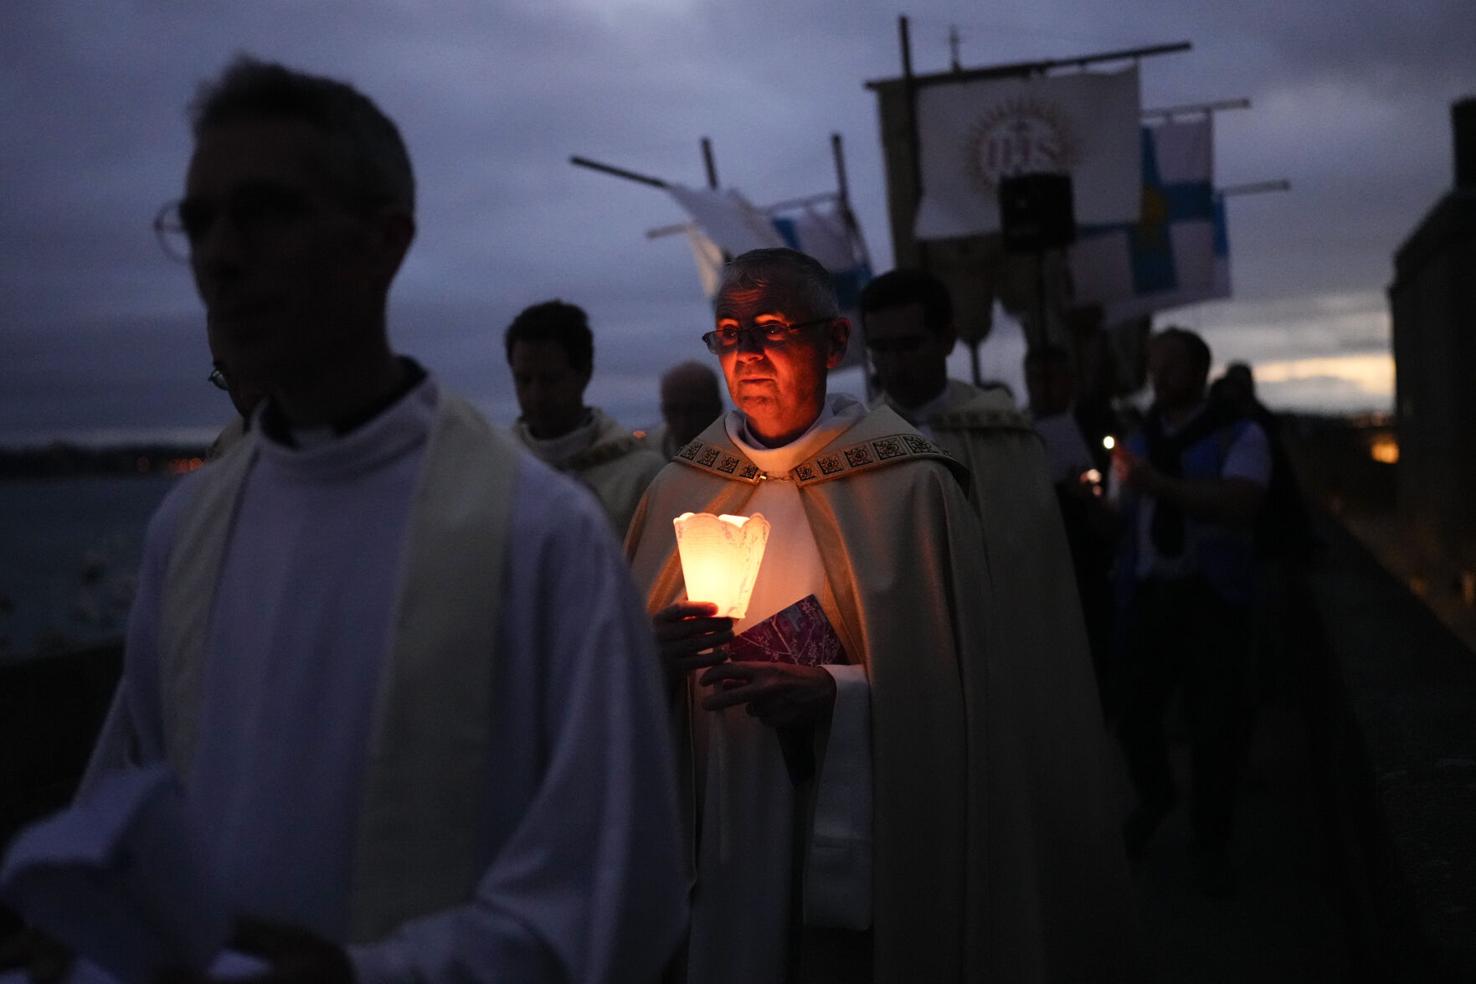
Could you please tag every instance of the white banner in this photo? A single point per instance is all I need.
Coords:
(709, 259)
(973, 133)
(727, 218)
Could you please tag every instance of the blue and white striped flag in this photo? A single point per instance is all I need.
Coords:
(1177, 253)
(833, 238)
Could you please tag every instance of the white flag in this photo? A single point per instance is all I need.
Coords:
(709, 260)
(973, 133)
(727, 218)
(822, 235)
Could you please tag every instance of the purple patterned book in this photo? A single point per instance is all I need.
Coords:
(799, 634)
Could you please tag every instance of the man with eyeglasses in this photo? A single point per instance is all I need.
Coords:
(878, 816)
(351, 637)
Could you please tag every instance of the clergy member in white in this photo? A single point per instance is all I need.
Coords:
(353, 638)
(550, 351)
(922, 811)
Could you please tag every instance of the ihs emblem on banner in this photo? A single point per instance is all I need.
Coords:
(1018, 136)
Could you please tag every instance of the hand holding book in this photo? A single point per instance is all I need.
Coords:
(775, 668)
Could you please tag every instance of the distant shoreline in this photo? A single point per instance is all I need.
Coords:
(65, 460)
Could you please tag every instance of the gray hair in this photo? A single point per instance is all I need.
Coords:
(785, 269)
(369, 155)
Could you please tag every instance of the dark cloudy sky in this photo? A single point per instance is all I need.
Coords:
(101, 335)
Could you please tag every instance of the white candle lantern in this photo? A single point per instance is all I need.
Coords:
(720, 558)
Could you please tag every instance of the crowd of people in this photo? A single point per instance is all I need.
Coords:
(1189, 536)
(434, 722)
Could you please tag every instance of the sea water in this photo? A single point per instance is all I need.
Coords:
(69, 553)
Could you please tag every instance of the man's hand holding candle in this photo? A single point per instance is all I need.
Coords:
(689, 636)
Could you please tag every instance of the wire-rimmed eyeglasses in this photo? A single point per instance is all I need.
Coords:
(772, 334)
(256, 212)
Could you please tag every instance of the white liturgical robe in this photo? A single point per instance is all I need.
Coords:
(578, 847)
(748, 800)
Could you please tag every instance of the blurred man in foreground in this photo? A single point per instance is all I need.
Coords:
(350, 636)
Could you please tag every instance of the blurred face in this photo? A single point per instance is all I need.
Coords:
(550, 390)
(911, 359)
(1176, 384)
(780, 387)
(688, 405)
(292, 278)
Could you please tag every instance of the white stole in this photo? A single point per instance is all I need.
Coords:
(419, 843)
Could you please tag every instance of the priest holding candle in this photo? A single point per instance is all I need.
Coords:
(902, 806)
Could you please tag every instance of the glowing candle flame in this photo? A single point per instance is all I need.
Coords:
(721, 557)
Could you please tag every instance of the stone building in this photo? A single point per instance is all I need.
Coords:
(1433, 304)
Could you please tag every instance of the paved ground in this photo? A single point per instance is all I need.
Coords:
(1406, 682)
(1335, 863)
(1283, 922)
(1285, 919)
(1410, 684)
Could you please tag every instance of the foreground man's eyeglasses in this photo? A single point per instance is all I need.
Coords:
(776, 333)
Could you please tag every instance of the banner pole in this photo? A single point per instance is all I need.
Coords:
(712, 181)
(909, 82)
(618, 172)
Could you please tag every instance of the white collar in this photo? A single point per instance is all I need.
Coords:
(556, 450)
(837, 414)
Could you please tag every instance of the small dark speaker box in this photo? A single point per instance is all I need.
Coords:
(1035, 212)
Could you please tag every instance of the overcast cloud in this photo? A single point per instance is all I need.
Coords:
(99, 332)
